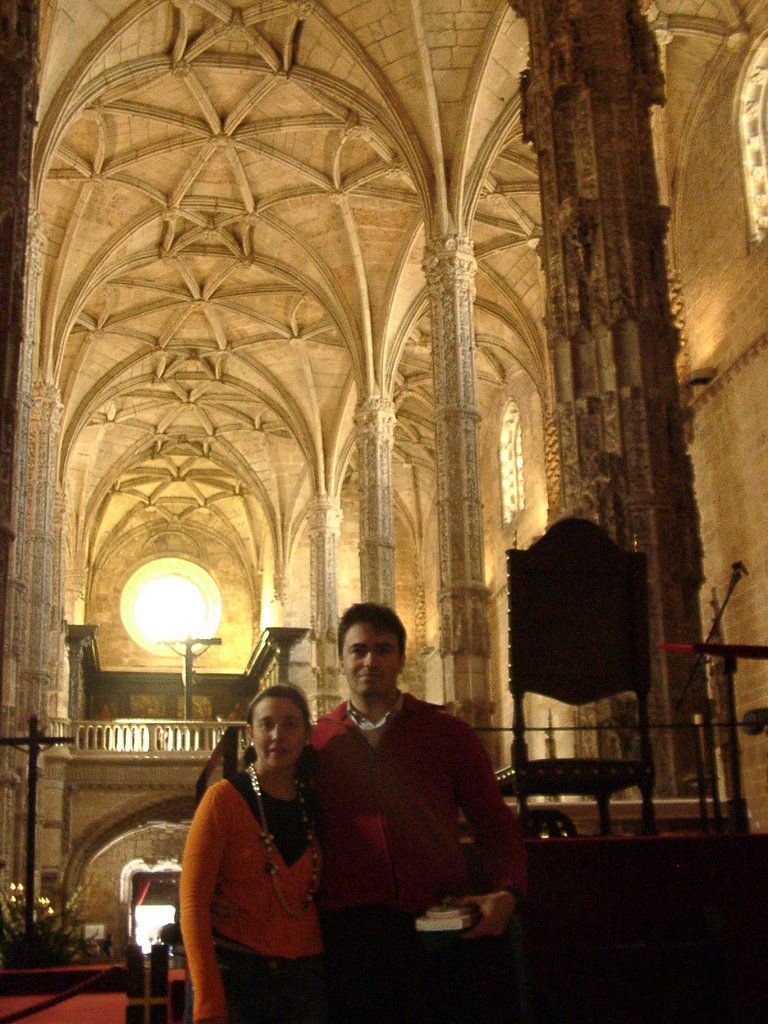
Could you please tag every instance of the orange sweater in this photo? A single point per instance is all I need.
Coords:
(224, 886)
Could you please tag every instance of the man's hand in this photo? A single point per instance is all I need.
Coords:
(495, 910)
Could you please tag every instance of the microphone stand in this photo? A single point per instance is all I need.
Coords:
(737, 804)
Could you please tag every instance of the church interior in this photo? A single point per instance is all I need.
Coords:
(307, 302)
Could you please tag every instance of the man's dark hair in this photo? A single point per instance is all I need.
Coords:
(379, 617)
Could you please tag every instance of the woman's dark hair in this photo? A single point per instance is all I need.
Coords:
(289, 692)
(305, 766)
(380, 617)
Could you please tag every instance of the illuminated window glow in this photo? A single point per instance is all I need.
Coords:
(170, 599)
(511, 461)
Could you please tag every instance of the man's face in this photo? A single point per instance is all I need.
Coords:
(371, 661)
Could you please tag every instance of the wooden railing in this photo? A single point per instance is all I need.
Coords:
(150, 736)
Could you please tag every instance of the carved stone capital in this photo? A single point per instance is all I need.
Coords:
(375, 418)
(46, 404)
(449, 262)
(325, 517)
(302, 9)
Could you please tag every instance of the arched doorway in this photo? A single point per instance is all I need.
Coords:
(137, 869)
(152, 898)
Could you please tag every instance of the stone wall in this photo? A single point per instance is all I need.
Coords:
(725, 279)
(527, 527)
(106, 881)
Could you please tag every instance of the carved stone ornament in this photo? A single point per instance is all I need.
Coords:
(375, 428)
(593, 74)
(449, 267)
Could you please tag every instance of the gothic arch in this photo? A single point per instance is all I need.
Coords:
(174, 810)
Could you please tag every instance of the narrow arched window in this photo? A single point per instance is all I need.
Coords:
(753, 118)
(511, 461)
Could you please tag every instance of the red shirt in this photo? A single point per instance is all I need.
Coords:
(390, 815)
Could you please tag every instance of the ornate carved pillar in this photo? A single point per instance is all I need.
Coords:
(18, 78)
(43, 606)
(449, 266)
(593, 76)
(324, 529)
(21, 243)
(659, 24)
(14, 710)
(375, 423)
(35, 244)
(414, 677)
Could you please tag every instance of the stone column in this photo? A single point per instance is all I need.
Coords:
(414, 677)
(659, 24)
(59, 683)
(13, 708)
(18, 77)
(449, 266)
(593, 77)
(43, 608)
(17, 598)
(75, 583)
(324, 529)
(375, 423)
(15, 406)
(53, 809)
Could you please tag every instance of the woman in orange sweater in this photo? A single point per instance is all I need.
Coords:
(250, 871)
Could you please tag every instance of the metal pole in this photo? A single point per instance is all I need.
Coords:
(700, 776)
(738, 805)
(709, 739)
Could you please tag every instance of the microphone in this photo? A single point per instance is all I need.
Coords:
(740, 568)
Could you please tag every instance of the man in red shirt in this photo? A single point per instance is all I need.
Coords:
(394, 774)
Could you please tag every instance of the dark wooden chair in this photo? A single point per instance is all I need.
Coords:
(578, 633)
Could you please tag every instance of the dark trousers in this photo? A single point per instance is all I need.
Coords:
(380, 970)
(271, 990)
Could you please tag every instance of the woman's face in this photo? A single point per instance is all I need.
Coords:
(279, 733)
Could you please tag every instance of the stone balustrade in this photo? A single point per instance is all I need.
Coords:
(148, 736)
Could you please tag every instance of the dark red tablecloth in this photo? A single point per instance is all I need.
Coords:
(650, 930)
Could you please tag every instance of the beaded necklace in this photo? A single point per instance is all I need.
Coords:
(269, 845)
